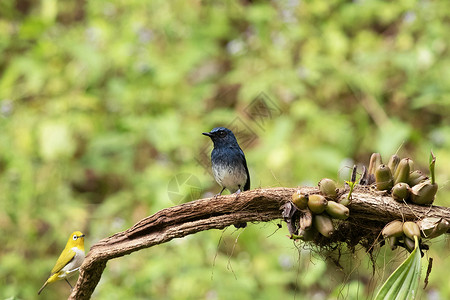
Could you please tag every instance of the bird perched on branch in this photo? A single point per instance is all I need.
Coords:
(228, 162)
(69, 261)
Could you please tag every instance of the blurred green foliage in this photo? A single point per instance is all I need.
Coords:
(102, 105)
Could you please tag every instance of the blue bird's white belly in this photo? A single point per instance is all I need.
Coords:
(231, 176)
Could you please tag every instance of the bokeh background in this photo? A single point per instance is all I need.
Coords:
(102, 105)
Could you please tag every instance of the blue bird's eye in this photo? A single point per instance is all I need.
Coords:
(222, 133)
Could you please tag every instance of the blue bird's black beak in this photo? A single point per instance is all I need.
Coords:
(207, 134)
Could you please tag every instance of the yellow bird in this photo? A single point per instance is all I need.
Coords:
(69, 261)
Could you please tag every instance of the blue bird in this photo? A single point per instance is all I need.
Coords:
(228, 161)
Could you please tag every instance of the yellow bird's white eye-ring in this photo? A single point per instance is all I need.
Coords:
(75, 237)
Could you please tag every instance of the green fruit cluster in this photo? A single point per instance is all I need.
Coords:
(399, 233)
(400, 179)
(309, 215)
(318, 210)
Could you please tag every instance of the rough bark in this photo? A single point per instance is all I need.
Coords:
(259, 205)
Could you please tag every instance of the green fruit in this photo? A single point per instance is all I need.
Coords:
(409, 244)
(300, 200)
(411, 164)
(411, 229)
(433, 227)
(424, 192)
(427, 225)
(345, 201)
(393, 163)
(328, 187)
(400, 192)
(375, 161)
(383, 178)
(305, 221)
(308, 234)
(324, 225)
(416, 177)
(432, 167)
(402, 172)
(337, 211)
(394, 228)
(317, 203)
(393, 242)
(441, 228)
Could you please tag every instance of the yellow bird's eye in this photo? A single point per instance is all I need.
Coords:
(75, 237)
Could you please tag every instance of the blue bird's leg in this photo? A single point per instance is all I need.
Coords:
(238, 192)
(219, 194)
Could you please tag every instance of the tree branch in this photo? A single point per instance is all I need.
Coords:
(259, 205)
